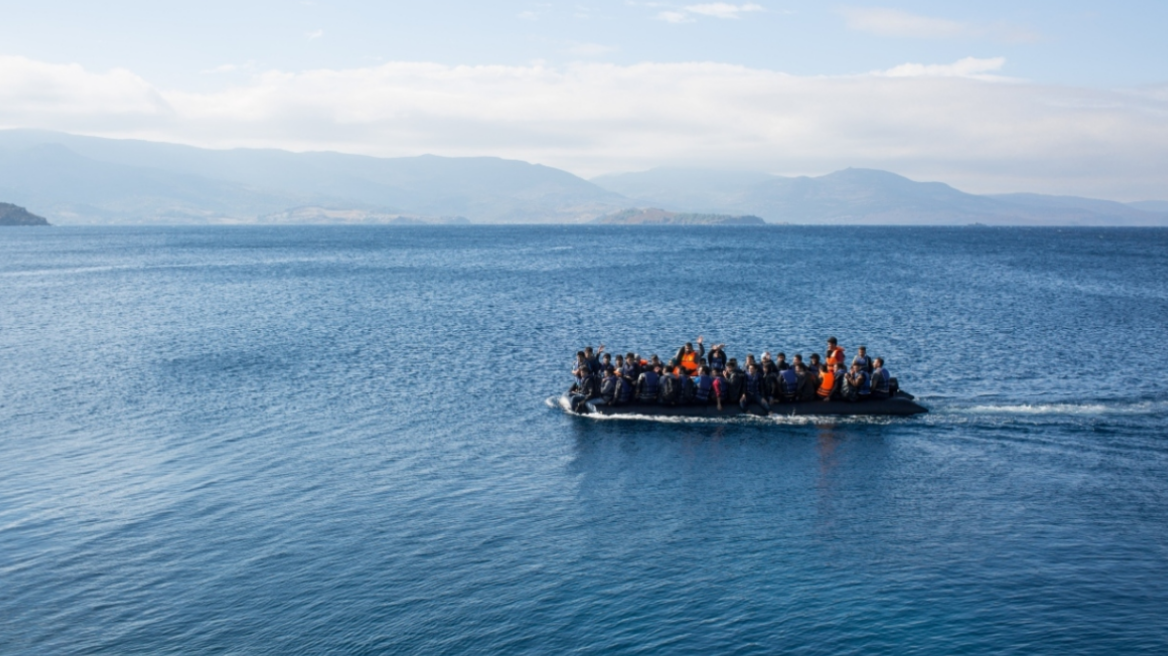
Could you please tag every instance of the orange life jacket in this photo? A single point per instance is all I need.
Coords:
(827, 385)
(835, 355)
(690, 361)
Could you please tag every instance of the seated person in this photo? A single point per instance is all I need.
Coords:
(856, 386)
(880, 380)
(703, 386)
(670, 388)
(789, 384)
(648, 384)
(827, 384)
(752, 389)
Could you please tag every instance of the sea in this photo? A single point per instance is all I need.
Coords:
(345, 440)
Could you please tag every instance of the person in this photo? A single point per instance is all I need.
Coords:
(588, 389)
(688, 358)
(797, 360)
(593, 359)
(814, 361)
(749, 361)
(855, 386)
(717, 358)
(670, 388)
(808, 382)
(648, 384)
(703, 386)
(863, 360)
(835, 353)
(688, 389)
(721, 389)
(788, 384)
(880, 380)
(734, 381)
(827, 383)
(781, 362)
(771, 389)
(605, 362)
(579, 366)
(610, 386)
(752, 391)
(632, 369)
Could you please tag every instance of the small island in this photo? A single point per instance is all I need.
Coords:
(655, 216)
(14, 215)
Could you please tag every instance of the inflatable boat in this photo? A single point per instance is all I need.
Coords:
(901, 404)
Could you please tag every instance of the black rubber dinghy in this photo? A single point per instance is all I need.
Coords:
(900, 405)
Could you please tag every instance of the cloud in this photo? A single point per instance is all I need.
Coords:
(723, 10)
(527, 15)
(674, 17)
(970, 67)
(897, 23)
(928, 121)
(315, 34)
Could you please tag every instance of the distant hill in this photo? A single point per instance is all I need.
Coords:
(86, 180)
(13, 215)
(1151, 205)
(865, 196)
(655, 216)
(90, 180)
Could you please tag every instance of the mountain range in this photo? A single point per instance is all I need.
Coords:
(88, 180)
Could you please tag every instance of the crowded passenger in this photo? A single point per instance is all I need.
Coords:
(694, 377)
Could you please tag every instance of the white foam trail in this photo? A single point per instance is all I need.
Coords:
(772, 420)
(1064, 409)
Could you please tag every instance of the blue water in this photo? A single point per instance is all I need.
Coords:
(339, 440)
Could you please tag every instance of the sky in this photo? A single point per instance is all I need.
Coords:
(1063, 97)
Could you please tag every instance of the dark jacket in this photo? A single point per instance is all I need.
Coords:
(647, 386)
(609, 387)
(735, 383)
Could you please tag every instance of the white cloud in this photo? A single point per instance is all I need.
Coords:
(315, 34)
(722, 10)
(893, 22)
(896, 23)
(970, 67)
(932, 122)
(674, 17)
(527, 15)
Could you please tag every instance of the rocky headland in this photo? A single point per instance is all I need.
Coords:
(14, 215)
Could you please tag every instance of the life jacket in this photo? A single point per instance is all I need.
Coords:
(608, 388)
(835, 355)
(880, 381)
(864, 361)
(827, 384)
(753, 385)
(705, 384)
(670, 389)
(865, 383)
(690, 361)
(734, 382)
(790, 381)
(624, 391)
(648, 390)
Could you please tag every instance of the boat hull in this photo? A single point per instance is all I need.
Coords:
(901, 405)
